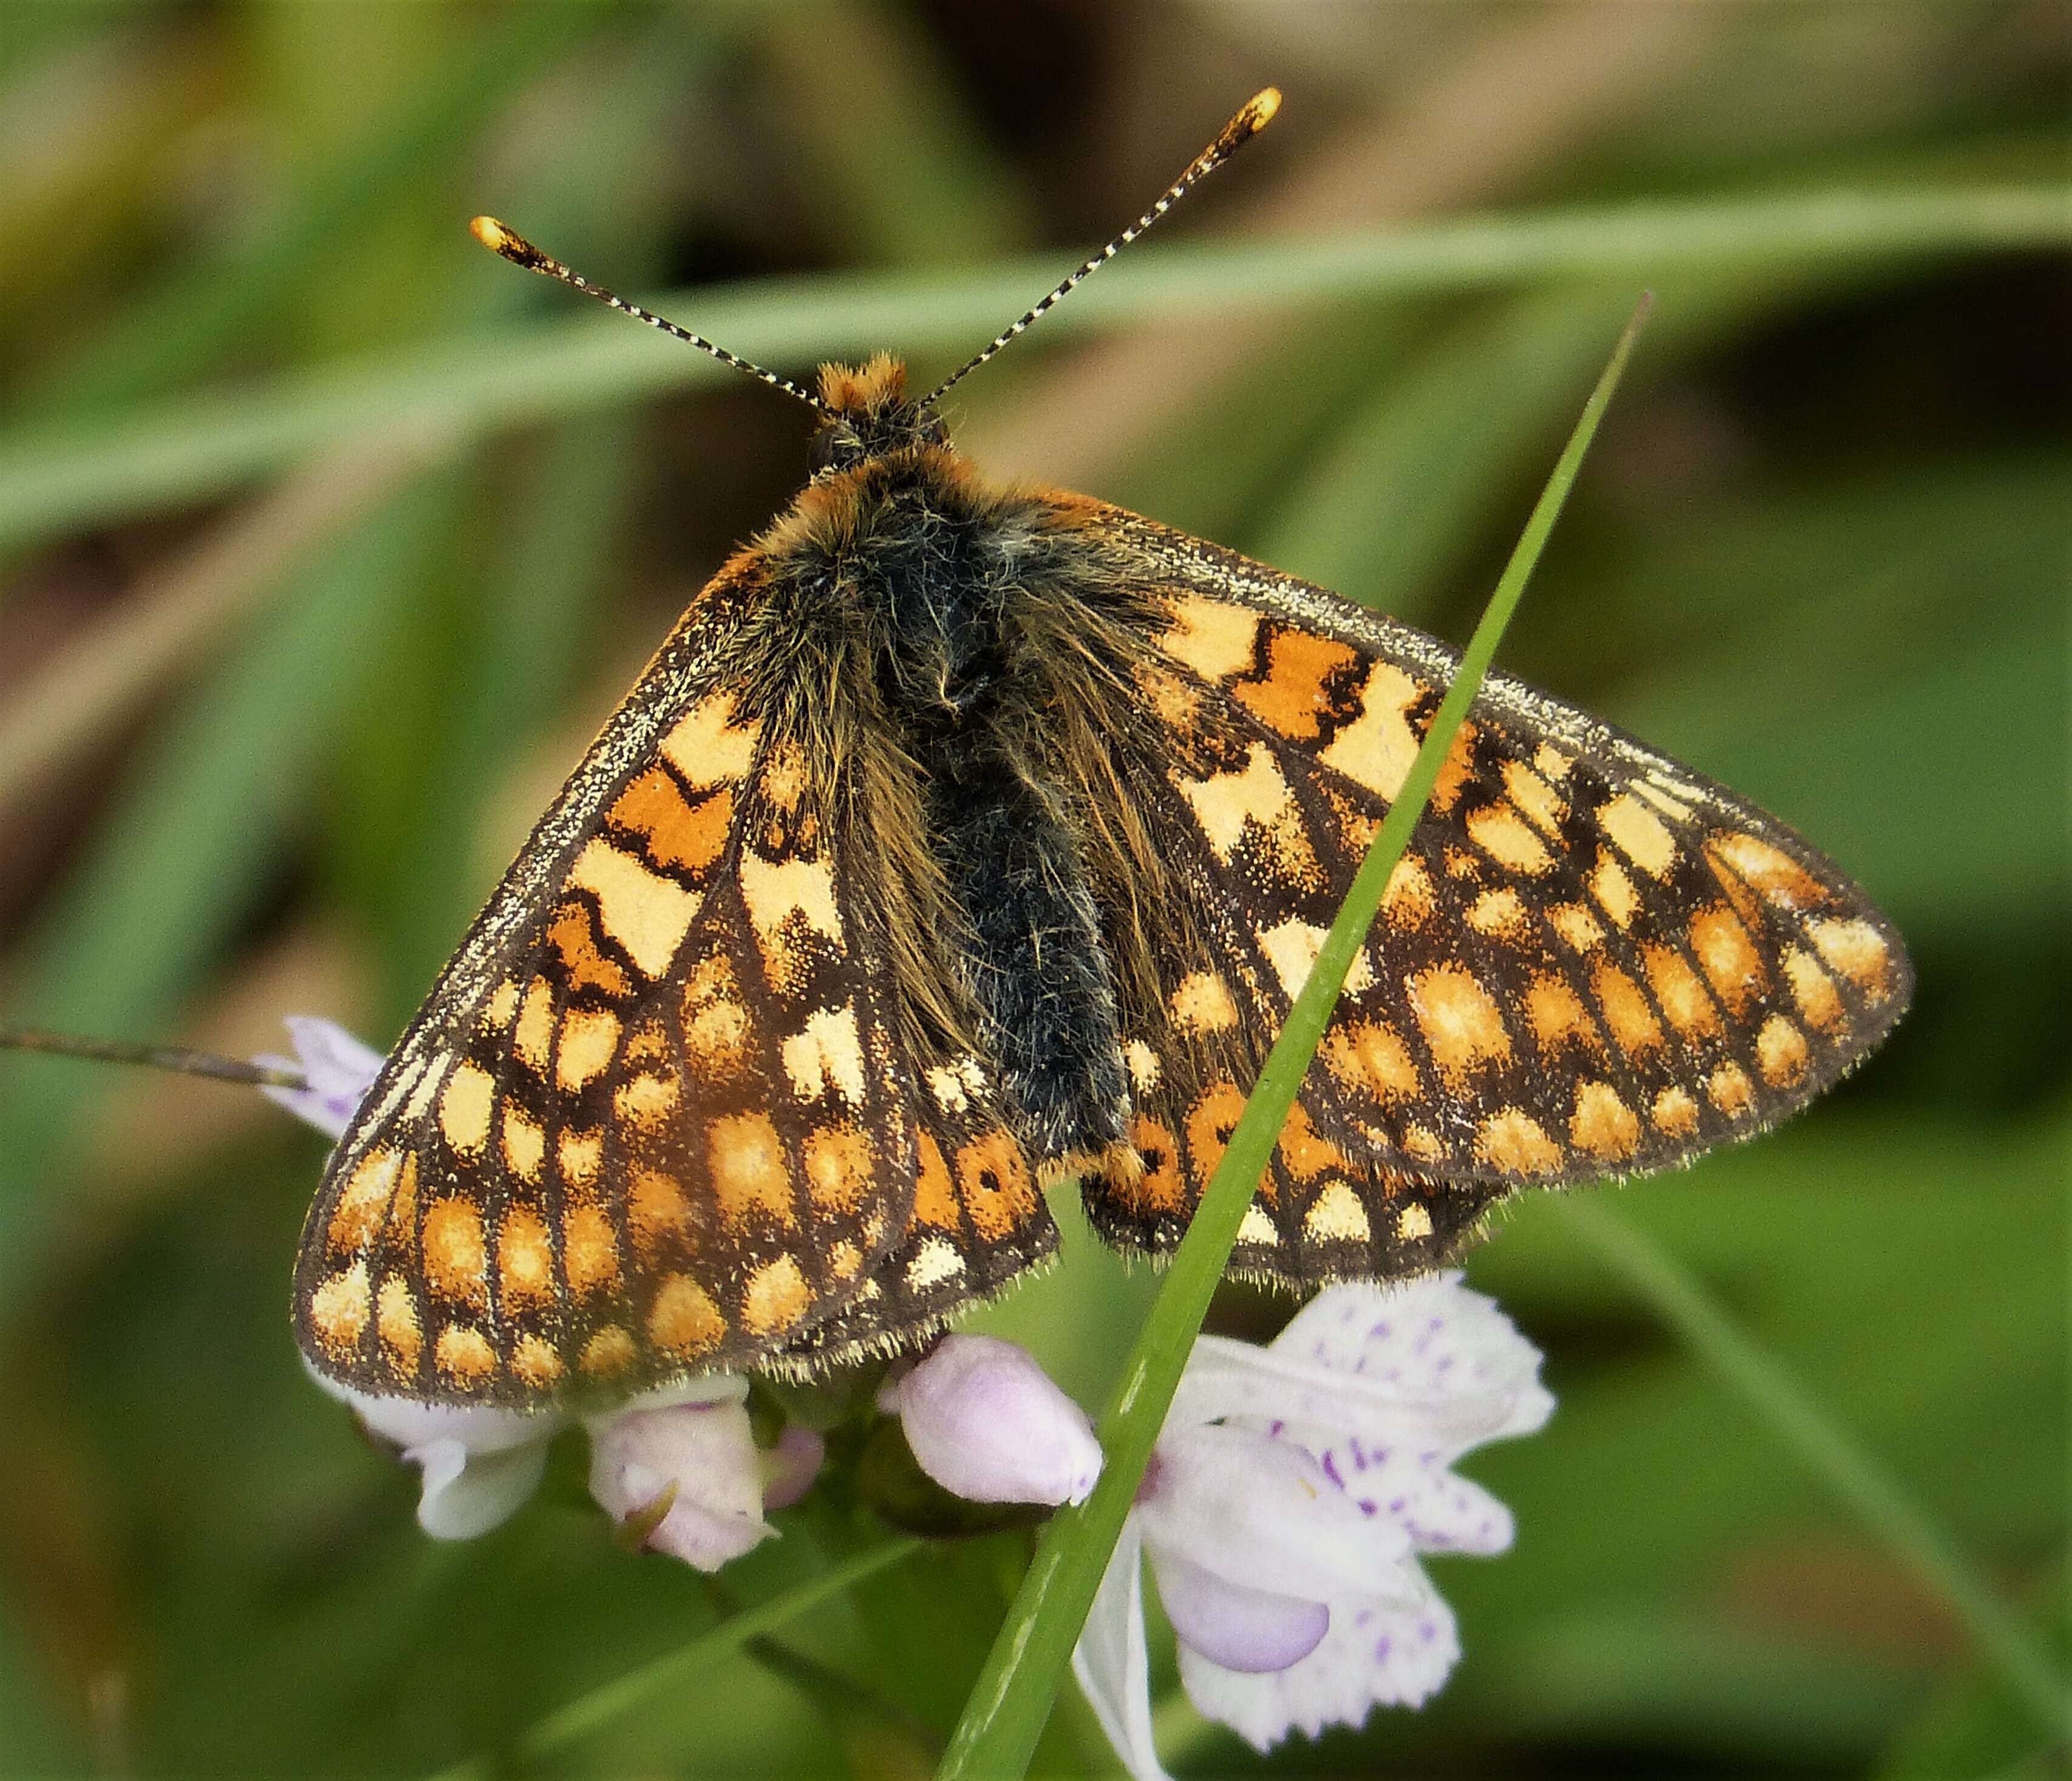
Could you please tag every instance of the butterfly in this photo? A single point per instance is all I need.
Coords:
(962, 840)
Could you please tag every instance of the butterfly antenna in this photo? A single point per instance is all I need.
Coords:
(174, 1057)
(520, 252)
(1253, 117)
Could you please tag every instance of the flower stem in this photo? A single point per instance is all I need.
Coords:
(1011, 1702)
(672, 1670)
(1857, 1480)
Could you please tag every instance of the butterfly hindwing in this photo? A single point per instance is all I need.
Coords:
(1591, 961)
(652, 1119)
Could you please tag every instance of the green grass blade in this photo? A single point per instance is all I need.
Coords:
(54, 477)
(566, 1725)
(1856, 1480)
(1012, 1700)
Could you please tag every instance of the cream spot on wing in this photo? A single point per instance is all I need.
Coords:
(1557, 1016)
(363, 1200)
(502, 1005)
(1143, 1065)
(775, 1298)
(684, 1322)
(455, 1258)
(535, 1031)
(1551, 762)
(1414, 1223)
(645, 915)
(1613, 890)
(1639, 834)
(422, 1082)
(1500, 914)
(935, 1262)
(777, 891)
(1814, 991)
(464, 1108)
(1675, 1113)
(579, 1153)
(1729, 1090)
(1771, 871)
(534, 1362)
(826, 1054)
(1459, 1018)
(656, 1212)
(1513, 1140)
(1203, 1004)
(1291, 948)
(1780, 1052)
(1506, 836)
(396, 1316)
(340, 1306)
(645, 1099)
(1627, 1014)
(1858, 951)
(1669, 797)
(608, 1353)
(1421, 1143)
(1727, 955)
(954, 1085)
(1691, 1011)
(1212, 637)
(524, 1261)
(1376, 748)
(1543, 805)
(1258, 1227)
(707, 746)
(1371, 1055)
(1410, 898)
(839, 1163)
(1577, 926)
(746, 1157)
(1337, 1216)
(464, 1353)
(1602, 1124)
(588, 1037)
(1256, 793)
(590, 1249)
(524, 1144)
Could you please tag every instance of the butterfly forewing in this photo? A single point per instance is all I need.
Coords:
(652, 1119)
(1591, 961)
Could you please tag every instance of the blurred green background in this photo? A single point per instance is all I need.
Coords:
(327, 539)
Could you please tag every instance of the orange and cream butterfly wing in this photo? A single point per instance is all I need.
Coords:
(1591, 961)
(652, 1119)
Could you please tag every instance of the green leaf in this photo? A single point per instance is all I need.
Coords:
(54, 477)
(1010, 1706)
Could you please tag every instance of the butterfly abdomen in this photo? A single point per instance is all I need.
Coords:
(927, 570)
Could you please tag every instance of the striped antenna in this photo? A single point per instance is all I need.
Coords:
(1254, 115)
(520, 252)
(175, 1058)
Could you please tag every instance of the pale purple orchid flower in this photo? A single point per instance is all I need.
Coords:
(985, 1421)
(1291, 1491)
(682, 1456)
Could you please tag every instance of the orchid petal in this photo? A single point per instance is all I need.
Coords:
(1263, 1514)
(1110, 1661)
(464, 1494)
(1373, 1655)
(698, 1458)
(1232, 1625)
(339, 1069)
(986, 1422)
(410, 1423)
(790, 1467)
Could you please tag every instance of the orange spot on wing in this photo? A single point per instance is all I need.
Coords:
(1603, 1125)
(464, 1354)
(524, 1261)
(1289, 697)
(673, 832)
(569, 932)
(1675, 1113)
(1557, 1016)
(1372, 1056)
(1780, 1052)
(993, 1182)
(839, 1167)
(655, 1209)
(1513, 1141)
(455, 1259)
(683, 1321)
(935, 1203)
(590, 1250)
(1627, 1014)
(1727, 955)
(775, 1297)
(1691, 1011)
(339, 1308)
(1462, 1027)
(747, 1159)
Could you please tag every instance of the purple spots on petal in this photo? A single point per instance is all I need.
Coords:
(1360, 1458)
(1363, 1617)
(1427, 1632)
(1331, 1469)
(1379, 1333)
(1368, 1505)
(1382, 1650)
(1274, 1428)
(1396, 1504)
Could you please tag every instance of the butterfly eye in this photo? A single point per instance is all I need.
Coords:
(835, 444)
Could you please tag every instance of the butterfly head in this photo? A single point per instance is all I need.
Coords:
(865, 413)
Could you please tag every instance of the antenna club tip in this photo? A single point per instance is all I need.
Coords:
(508, 242)
(1253, 116)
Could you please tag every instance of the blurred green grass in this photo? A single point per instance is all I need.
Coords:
(1822, 553)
